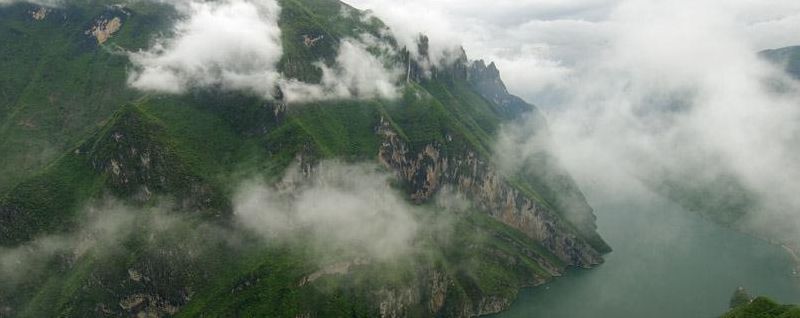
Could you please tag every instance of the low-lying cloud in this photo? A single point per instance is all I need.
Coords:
(337, 212)
(356, 74)
(103, 225)
(46, 3)
(232, 44)
(680, 94)
(237, 45)
(540, 46)
(640, 89)
(340, 207)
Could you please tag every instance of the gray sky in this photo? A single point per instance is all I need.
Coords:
(538, 43)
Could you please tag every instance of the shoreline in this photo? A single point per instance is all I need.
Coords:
(793, 253)
(795, 257)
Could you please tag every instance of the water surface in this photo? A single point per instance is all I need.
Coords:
(666, 263)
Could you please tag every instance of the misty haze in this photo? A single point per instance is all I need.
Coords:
(418, 158)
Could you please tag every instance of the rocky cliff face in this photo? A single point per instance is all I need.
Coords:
(428, 171)
(560, 190)
(485, 79)
(395, 303)
(138, 162)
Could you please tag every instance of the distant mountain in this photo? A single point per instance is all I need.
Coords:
(742, 305)
(118, 202)
(716, 194)
(787, 57)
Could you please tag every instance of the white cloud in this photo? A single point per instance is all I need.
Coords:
(47, 3)
(356, 74)
(681, 91)
(341, 207)
(568, 34)
(233, 44)
(533, 42)
(104, 225)
(236, 45)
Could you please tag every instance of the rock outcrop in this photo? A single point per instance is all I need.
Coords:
(40, 13)
(139, 162)
(485, 79)
(104, 28)
(432, 290)
(429, 170)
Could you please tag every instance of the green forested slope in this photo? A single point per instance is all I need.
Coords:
(762, 307)
(73, 135)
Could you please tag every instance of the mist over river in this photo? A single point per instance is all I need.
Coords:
(667, 262)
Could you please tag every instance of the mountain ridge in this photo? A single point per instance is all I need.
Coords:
(787, 57)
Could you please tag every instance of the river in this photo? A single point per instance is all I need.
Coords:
(666, 263)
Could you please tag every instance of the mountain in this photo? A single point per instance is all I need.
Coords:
(787, 57)
(717, 193)
(117, 201)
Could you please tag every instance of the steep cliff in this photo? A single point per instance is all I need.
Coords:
(428, 171)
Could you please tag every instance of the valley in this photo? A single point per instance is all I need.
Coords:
(308, 158)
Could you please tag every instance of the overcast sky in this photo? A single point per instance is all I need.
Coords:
(537, 43)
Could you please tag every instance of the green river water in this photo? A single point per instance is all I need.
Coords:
(666, 263)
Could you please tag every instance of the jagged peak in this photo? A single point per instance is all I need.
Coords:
(487, 71)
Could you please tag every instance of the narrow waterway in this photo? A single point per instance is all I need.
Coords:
(666, 263)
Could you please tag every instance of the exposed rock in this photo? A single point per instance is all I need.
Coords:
(492, 305)
(104, 29)
(487, 82)
(115, 169)
(143, 305)
(245, 284)
(433, 288)
(134, 275)
(439, 283)
(311, 41)
(145, 158)
(27, 123)
(40, 13)
(395, 303)
(279, 109)
(428, 170)
(141, 165)
(334, 269)
(103, 310)
(133, 301)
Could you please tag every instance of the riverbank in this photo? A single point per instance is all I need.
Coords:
(792, 249)
(795, 257)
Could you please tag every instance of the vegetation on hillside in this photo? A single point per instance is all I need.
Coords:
(762, 307)
(123, 199)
